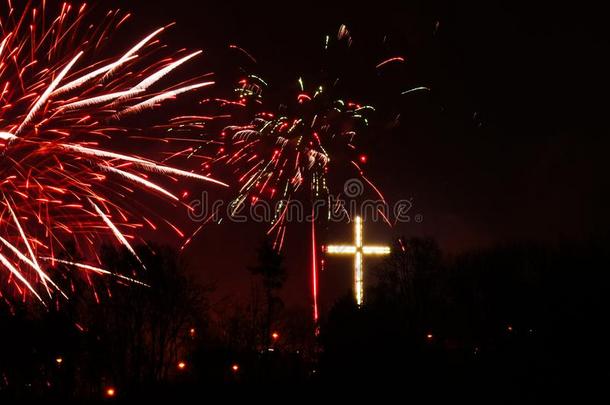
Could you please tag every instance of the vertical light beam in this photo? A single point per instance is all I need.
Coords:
(314, 268)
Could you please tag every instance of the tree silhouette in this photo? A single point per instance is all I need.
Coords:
(272, 275)
(147, 328)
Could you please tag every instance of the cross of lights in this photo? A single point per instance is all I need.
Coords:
(358, 250)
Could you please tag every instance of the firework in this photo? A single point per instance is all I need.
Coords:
(285, 153)
(288, 156)
(68, 172)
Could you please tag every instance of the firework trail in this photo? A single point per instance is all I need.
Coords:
(288, 157)
(67, 174)
(288, 153)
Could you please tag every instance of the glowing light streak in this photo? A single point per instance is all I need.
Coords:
(358, 250)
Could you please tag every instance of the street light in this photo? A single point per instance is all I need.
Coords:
(181, 365)
(110, 392)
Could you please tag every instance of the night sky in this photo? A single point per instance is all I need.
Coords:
(509, 145)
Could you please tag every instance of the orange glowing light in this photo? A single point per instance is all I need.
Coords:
(429, 336)
(110, 392)
(235, 367)
(181, 365)
(59, 360)
(275, 335)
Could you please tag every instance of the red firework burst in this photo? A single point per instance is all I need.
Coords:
(63, 176)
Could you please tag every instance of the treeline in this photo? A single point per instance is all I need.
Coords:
(517, 323)
(524, 320)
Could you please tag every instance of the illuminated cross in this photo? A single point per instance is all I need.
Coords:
(358, 250)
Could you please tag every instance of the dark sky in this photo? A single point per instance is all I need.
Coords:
(511, 143)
